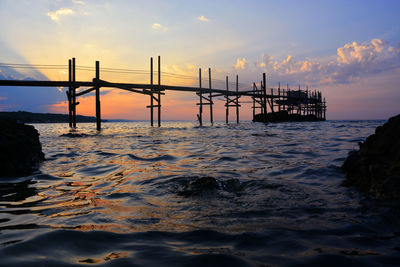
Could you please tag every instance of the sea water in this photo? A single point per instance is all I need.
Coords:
(248, 194)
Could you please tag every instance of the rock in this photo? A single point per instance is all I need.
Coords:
(375, 167)
(74, 135)
(20, 148)
(199, 186)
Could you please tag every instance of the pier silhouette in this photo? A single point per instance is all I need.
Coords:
(269, 105)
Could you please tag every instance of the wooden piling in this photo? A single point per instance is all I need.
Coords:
(73, 93)
(272, 100)
(279, 97)
(211, 102)
(227, 101)
(299, 102)
(200, 117)
(237, 99)
(265, 95)
(151, 95)
(159, 91)
(98, 113)
(307, 105)
(69, 93)
(254, 101)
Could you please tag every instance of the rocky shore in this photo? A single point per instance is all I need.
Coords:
(20, 148)
(375, 167)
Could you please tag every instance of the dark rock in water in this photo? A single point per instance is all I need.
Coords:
(375, 168)
(73, 135)
(207, 185)
(199, 185)
(20, 148)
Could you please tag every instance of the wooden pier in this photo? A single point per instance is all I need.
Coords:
(272, 105)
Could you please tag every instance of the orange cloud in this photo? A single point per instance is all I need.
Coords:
(353, 60)
(240, 63)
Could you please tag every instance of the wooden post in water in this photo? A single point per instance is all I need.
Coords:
(159, 91)
(69, 92)
(237, 98)
(211, 103)
(299, 102)
(200, 116)
(73, 93)
(98, 113)
(227, 101)
(320, 101)
(151, 95)
(254, 101)
(316, 104)
(272, 100)
(279, 97)
(288, 107)
(307, 100)
(264, 87)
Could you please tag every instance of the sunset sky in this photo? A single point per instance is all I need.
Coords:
(349, 50)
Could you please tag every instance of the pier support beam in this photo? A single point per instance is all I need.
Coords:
(200, 93)
(232, 102)
(254, 101)
(151, 95)
(155, 93)
(203, 97)
(159, 91)
(237, 99)
(69, 92)
(73, 93)
(307, 103)
(227, 102)
(264, 88)
(98, 113)
(272, 100)
(258, 99)
(210, 97)
(279, 97)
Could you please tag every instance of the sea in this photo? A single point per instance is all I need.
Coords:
(247, 194)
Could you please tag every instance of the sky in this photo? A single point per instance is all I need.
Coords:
(348, 50)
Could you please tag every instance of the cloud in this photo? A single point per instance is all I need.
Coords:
(352, 61)
(78, 2)
(55, 16)
(159, 27)
(202, 18)
(3, 98)
(240, 63)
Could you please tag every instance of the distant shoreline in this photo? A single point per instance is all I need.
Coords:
(29, 117)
